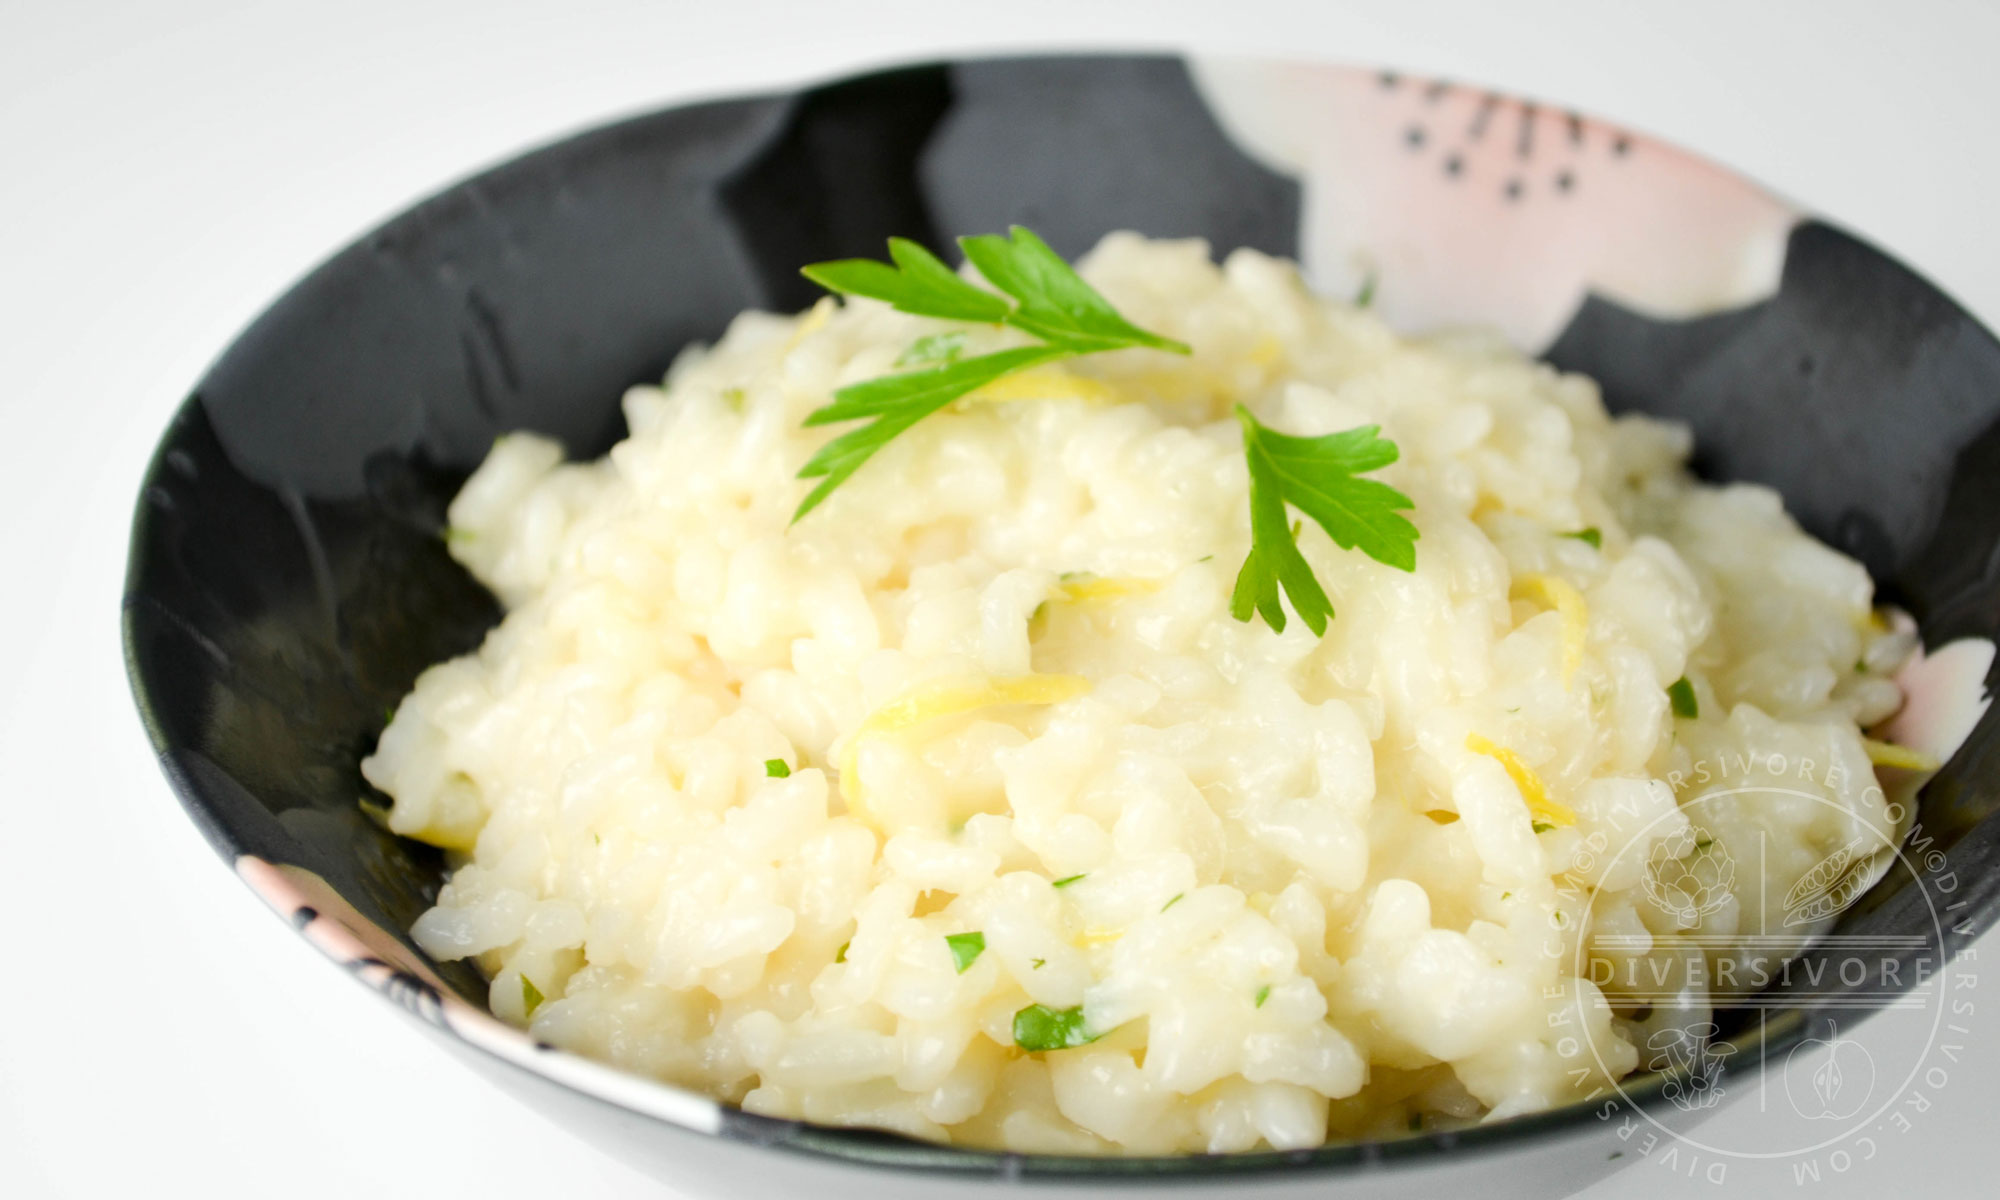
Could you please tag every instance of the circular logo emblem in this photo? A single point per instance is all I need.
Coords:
(1738, 935)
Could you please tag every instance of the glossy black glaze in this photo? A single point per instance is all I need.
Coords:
(287, 580)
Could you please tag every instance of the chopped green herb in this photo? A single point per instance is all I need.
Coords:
(1506, 895)
(1366, 296)
(775, 768)
(1680, 693)
(1590, 536)
(1205, 558)
(733, 397)
(1263, 994)
(531, 996)
(389, 715)
(1860, 666)
(1039, 1027)
(458, 537)
(1066, 880)
(965, 948)
(933, 348)
(1317, 475)
(1051, 303)
(1176, 900)
(1036, 964)
(1542, 826)
(840, 955)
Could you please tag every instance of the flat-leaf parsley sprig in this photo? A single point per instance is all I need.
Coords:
(1317, 476)
(1049, 302)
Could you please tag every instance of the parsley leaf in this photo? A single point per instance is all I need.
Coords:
(965, 949)
(918, 284)
(1590, 535)
(1680, 694)
(893, 404)
(1066, 880)
(775, 768)
(531, 996)
(1263, 994)
(1056, 305)
(1316, 475)
(1039, 1027)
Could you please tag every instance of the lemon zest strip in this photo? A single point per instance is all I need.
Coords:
(1087, 588)
(1889, 754)
(1043, 383)
(815, 320)
(946, 698)
(1560, 595)
(1533, 790)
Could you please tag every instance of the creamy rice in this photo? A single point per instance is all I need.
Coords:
(1313, 899)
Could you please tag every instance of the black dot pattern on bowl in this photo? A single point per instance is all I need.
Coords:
(1554, 149)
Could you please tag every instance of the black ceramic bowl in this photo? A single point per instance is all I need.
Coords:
(288, 582)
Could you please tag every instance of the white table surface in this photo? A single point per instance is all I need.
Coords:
(166, 169)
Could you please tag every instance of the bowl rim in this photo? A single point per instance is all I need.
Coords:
(866, 1147)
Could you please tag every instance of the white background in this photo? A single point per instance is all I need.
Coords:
(166, 169)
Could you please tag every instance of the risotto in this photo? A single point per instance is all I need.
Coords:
(965, 808)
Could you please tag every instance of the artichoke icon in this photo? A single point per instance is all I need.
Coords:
(1691, 875)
